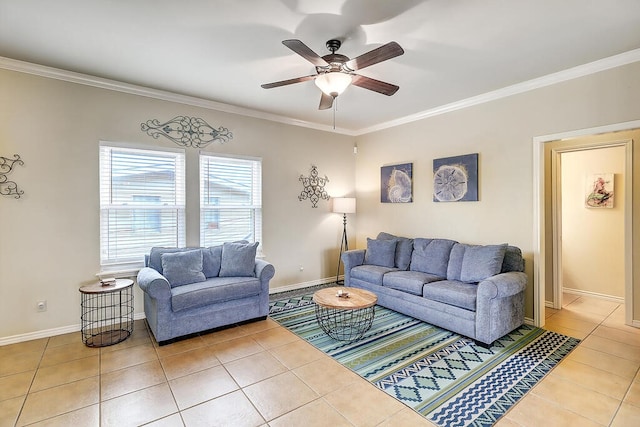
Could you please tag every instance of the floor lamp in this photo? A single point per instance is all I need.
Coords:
(343, 205)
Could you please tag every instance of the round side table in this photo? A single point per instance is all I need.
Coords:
(343, 313)
(107, 313)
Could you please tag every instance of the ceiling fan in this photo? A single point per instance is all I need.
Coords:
(335, 72)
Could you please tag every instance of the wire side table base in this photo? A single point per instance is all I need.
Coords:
(345, 324)
(106, 313)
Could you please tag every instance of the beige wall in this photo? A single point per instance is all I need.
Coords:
(49, 239)
(592, 239)
(501, 132)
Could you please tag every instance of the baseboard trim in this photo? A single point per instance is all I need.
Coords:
(47, 333)
(617, 300)
(302, 285)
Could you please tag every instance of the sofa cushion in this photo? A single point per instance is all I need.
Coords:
(513, 260)
(481, 262)
(380, 252)
(371, 273)
(183, 268)
(211, 261)
(408, 281)
(478, 256)
(452, 292)
(238, 259)
(404, 248)
(431, 256)
(212, 291)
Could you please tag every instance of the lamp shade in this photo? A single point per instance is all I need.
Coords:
(334, 83)
(344, 205)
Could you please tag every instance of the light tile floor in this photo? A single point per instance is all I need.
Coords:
(260, 374)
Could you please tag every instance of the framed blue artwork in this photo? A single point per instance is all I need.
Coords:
(396, 183)
(455, 179)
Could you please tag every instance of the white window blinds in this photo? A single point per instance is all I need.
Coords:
(230, 199)
(142, 203)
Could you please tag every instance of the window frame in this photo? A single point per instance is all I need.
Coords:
(256, 198)
(107, 206)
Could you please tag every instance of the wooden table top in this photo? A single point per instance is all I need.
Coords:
(358, 298)
(97, 288)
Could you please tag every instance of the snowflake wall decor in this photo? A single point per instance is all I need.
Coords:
(313, 187)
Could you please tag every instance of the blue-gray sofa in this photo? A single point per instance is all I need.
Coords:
(476, 291)
(190, 290)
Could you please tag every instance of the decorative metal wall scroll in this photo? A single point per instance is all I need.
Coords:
(187, 131)
(9, 188)
(313, 187)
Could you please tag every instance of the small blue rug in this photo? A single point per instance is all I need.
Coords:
(442, 375)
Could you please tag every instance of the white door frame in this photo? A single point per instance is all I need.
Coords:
(539, 225)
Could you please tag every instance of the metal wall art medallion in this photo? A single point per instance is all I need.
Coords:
(7, 187)
(313, 187)
(187, 131)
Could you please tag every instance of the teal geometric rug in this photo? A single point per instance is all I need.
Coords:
(442, 375)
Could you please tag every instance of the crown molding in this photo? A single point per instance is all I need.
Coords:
(102, 83)
(548, 80)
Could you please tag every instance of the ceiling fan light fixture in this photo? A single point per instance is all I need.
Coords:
(333, 83)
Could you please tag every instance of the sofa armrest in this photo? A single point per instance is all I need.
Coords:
(499, 305)
(502, 285)
(154, 284)
(264, 270)
(350, 259)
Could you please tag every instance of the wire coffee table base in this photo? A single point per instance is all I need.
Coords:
(344, 324)
(345, 313)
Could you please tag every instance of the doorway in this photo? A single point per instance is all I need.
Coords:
(588, 204)
(547, 265)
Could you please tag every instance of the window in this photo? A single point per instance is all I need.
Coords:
(142, 203)
(230, 199)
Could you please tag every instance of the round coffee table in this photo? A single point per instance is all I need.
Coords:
(345, 318)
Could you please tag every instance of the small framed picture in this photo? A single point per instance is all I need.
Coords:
(396, 183)
(599, 190)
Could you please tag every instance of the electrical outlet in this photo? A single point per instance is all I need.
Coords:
(301, 268)
(41, 305)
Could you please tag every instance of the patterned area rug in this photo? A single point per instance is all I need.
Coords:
(442, 375)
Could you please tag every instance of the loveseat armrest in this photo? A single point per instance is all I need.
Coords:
(264, 270)
(153, 283)
(350, 259)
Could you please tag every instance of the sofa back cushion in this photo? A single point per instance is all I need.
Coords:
(211, 261)
(238, 259)
(404, 248)
(431, 256)
(380, 252)
(474, 263)
(513, 260)
(183, 268)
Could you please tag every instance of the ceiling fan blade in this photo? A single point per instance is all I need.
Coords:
(303, 50)
(288, 82)
(374, 85)
(326, 102)
(382, 53)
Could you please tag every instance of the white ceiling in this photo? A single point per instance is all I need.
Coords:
(223, 50)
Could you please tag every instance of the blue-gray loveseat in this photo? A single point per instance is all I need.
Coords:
(476, 291)
(189, 290)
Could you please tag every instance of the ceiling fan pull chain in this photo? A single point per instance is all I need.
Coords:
(335, 108)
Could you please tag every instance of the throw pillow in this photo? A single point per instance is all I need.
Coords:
(380, 252)
(431, 256)
(155, 256)
(404, 248)
(238, 259)
(183, 268)
(481, 262)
